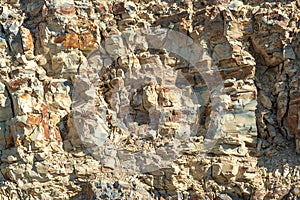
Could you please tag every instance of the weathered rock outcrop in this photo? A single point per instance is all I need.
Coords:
(94, 106)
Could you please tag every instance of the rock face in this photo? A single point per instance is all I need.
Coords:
(92, 106)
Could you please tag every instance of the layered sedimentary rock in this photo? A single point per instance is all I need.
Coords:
(94, 106)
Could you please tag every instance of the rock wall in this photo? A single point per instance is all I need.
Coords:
(46, 45)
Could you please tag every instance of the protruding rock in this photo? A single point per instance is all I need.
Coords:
(27, 40)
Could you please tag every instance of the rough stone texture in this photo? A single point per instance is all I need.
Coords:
(43, 46)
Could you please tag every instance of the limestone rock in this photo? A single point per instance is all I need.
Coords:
(157, 99)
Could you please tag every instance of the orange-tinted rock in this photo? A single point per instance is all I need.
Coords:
(71, 41)
(45, 120)
(83, 41)
(87, 41)
(27, 41)
(60, 39)
(17, 83)
(53, 121)
(33, 119)
(19, 143)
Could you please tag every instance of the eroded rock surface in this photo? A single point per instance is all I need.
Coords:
(136, 102)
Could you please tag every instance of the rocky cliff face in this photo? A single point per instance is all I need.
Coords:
(204, 106)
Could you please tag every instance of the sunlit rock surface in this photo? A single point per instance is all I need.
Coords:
(145, 122)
